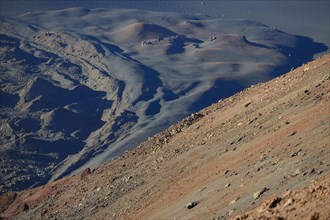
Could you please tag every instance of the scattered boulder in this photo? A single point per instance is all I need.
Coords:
(296, 173)
(259, 193)
(295, 153)
(191, 205)
(128, 178)
(290, 201)
(212, 38)
(227, 185)
(247, 104)
(25, 207)
(233, 201)
(149, 42)
(274, 202)
(85, 173)
(293, 133)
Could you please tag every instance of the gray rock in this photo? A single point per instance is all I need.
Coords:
(212, 38)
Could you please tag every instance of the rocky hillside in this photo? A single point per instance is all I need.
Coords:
(264, 143)
(79, 87)
(311, 202)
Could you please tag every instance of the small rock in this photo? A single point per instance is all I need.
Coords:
(231, 211)
(293, 133)
(243, 216)
(247, 104)
(191, 205)
(85, 173)
(296, 153)
(227, 185)
(314, 216)
(273, 203)
(94, 208)
(259, 193)
(212, 38)
(297, 172)
(288, 202)
(25, 207)
(233, 201)
(251, 121)
(240, 138)
(195, 45)
(202, 189)
(128, 178)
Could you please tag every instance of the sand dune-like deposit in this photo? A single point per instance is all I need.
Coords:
(260, 154)
(139, 31)
(81, 86)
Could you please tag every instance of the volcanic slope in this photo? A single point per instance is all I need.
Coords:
(81, 86)
(311, 202)
(269, 139)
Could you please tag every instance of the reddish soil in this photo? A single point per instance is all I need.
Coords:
(311, 202)
(269, 140)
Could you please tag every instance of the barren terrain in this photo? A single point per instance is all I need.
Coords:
(265, 143)
(81, 86)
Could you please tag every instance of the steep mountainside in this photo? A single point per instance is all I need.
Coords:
(269, 140)
(79, 86)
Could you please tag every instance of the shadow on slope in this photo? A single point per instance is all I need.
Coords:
(52, 121)
(8, 100)
(150, 77)
(177, 43)
(16, 52)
